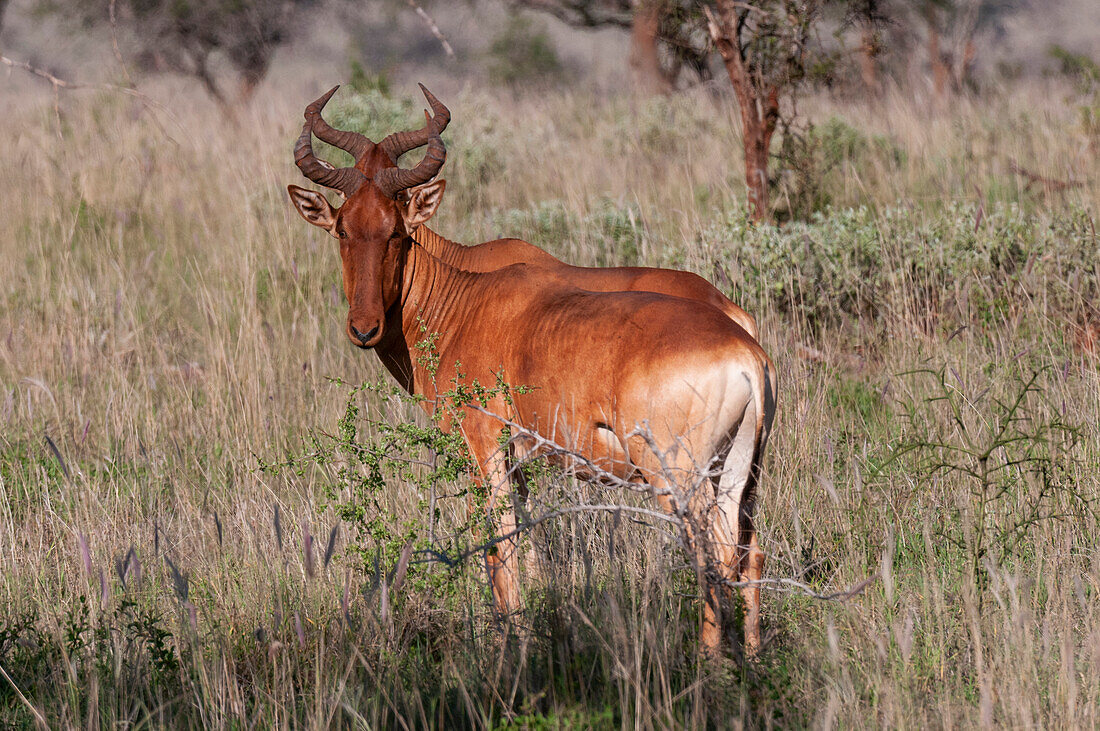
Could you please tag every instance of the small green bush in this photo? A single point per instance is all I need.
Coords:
(365, 106)
(858, 263)
(614, 233)
(816, 162)
(1085, 74)
(522, 53)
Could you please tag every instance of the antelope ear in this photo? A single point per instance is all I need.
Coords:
(313, 207)
(421, 203)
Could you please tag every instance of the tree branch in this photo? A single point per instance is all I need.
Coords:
(58, 83)
(432, 26)
(580, 13)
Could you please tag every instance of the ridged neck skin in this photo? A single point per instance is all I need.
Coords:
(434, 299)
(445, 250)
(433, 293)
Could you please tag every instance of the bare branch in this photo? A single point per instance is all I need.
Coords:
(59, 83)
(1050, 184)
(114, 44)
(432, 26)
(582, 13)
(680, 518)
(534, 522)
(788, 585)
(548, 447)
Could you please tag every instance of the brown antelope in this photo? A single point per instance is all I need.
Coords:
(497, 254)
(647, 387)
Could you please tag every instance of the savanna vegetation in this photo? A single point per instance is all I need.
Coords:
(214, 511)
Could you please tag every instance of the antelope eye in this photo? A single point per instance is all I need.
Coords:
(343, 234)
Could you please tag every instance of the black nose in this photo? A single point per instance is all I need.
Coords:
(364, 338)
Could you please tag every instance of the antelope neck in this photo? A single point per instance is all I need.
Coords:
(435, 298)
(445, 250)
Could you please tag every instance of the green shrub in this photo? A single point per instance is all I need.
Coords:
(1085, 74)
(1008, 446)
(522, 53)
(858, 263)
(813, 163)
(547, 224)
(364, 82)
(1077, 66)
(612, 234)
(365, 106)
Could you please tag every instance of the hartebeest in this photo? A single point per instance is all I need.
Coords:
(648, 387)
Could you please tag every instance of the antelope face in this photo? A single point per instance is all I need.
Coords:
(370, 232)
(383, 205)
(369, 247)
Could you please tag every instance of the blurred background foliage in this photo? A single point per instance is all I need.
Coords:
(925, 278)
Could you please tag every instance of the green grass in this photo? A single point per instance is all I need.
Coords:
(170, 324)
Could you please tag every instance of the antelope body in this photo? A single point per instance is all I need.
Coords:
(493, 255)
(649, 387)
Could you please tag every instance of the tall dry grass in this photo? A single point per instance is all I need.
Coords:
(166, 322)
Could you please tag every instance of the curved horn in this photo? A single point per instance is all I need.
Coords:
(353, 143)
(394, 180)
(398, 143)
(345, 180)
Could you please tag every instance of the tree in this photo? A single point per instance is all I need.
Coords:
(645, 57)
(665, 35)
(868, 16)
(951, 27)
(185, 35)
(948, 65)
(763, 45)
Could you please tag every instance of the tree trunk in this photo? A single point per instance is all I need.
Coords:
(965, 67)
(868, 63)
(941, 70)
(759, 114)
(648, 76)
(758, 125)
(759, 105)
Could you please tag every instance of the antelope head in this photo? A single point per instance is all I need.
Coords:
(383, 204)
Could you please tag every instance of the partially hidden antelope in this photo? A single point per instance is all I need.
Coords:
(648, 387)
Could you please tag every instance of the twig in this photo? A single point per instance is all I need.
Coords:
(549, 448)
(1050, 184)
(679, 518)
(782, 584)
(534, 522)
(114, 44)
(432, 27)
(59, 83)
(743, 6)
(37, 714)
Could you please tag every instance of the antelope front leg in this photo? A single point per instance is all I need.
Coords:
(501, 559)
